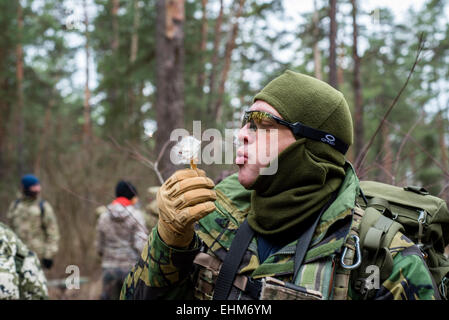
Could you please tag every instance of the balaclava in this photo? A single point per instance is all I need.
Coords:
(308, 171)
(27, 182)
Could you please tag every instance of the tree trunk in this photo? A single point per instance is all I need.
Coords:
(169, 75)
(112, 92)
(115, 31)
(357, 87)
(19, 92)
(340, 70)
(5, 109)
(316, 49)
(227, 61)
(87, 128)
(131, 125)
(214, 59)
(135, 34)
(44, 135)
(202, 72)
(333, 81)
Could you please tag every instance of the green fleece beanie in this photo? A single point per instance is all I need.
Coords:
(309, 171)
(298, 97)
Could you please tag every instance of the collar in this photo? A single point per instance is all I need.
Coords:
(123, 201)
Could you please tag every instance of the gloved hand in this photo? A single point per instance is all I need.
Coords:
(186, 197)
(47, 263)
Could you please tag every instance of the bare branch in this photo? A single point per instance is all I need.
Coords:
(361, 158)
(138, 156)
(404, 141)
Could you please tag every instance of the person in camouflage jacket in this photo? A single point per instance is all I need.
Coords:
(34, 221)
(21, 276)
(121, 236)
(313, 183)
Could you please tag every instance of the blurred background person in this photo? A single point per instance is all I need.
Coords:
(33, 220)
(121, 236)
(152, 210)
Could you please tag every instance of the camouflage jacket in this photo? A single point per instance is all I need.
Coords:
(169, 273)
(21, 276)
(40, 233)
(121, 236)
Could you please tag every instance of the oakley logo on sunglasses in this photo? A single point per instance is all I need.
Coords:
(329, 139)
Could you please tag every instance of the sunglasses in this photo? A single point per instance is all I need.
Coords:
(255, 119)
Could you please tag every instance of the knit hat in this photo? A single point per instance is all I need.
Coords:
(314, 103)
(125, 189)
(28, 181)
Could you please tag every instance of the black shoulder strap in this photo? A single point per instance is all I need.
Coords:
(232, 261)
(305, 238)
(16, 203)
(43, 226)
(41, 206)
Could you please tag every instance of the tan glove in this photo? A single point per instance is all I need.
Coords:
(186, 197)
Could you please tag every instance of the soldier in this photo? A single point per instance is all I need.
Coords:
(121, 235)
(21, 276)
(152, 211)
(34, 221)
(272, 232)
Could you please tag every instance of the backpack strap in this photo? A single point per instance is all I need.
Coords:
(16, 203)
(306, 238)
(232, 261)
(42, 208)
(343, 274)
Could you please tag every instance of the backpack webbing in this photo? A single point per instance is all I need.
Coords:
(343, 275)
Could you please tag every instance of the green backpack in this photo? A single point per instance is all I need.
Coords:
(421, 217)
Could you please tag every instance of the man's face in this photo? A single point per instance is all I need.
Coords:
(249, 158)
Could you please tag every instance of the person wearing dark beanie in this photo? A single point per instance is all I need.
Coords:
(125, 189)
(34, 221)
(121, 235)
(285, 226)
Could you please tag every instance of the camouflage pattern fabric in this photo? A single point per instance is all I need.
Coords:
(169, 273)
(40, 234)
(121, 236)
(21, 276)
(410, 278)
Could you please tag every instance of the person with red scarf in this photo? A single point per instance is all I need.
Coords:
(121, 236)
